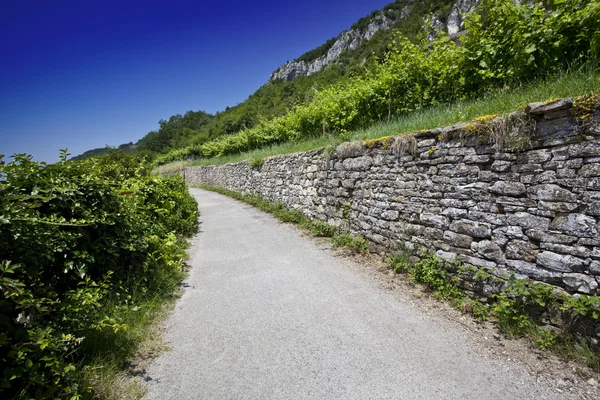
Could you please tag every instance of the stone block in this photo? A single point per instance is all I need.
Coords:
(556, 128)
(550, 192)
(528, 221)
(580, 283)
(501, 166)
(560, 262)
(454, 213)
(560, 207)
(535, 156)
(438, 221)
(476, 262)
(574, 250)
(534, 272)
(522, 250)
(489, 250)
(477, 159)
(550, 237)
(554, 106)
(458, 240)
(508, 188)
(589, 170)
(579, 225)
(472, 228)
(390, 215)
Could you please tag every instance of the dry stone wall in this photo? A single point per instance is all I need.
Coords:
(516, 195)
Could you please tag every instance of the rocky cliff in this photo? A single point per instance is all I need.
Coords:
(451, 23)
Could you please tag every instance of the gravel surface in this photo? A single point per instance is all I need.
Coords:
(271, 314)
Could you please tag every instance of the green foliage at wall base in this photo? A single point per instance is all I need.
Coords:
(552, 319)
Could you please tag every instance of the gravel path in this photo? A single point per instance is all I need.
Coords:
(269, 315)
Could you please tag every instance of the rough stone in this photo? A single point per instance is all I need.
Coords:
(535, 156)
(555, 128)
(528, 221)
(390, 215)
(476, 262)
(542, 108)
(501, 166)
(589, 170)
(445, 255)
(522, 250)
(551, 192)
(488, 249)
(559, 262)
(532, 271)
(471, 228)
(580, 283)
(550, 237)
(560, 207)
(576, 224)
(508, 188)
(455, 213)
(577, 251)
(458, 240)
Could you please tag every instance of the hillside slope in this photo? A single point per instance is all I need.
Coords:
(507, 45)
(353, 52)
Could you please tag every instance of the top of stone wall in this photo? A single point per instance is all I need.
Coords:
(540, 124)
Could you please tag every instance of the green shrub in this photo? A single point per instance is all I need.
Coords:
(433, 272)
(356, 243)
(80, 239)
(257, 163)
(520, 308)
(322, 229)
(399, 260)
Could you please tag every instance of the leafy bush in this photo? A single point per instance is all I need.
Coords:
(322, 229)
(434, 272)
(80, 239)
(355, 243)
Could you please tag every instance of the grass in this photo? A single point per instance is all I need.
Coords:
(579, 82)
(170, 169)
(117, 357)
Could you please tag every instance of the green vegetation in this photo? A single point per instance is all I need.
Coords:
(356, 243)
(578, 82)
(90, 251)
(126, 148)
(506, 44)
(552, 319)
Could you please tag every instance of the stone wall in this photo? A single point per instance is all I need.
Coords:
(517, 194)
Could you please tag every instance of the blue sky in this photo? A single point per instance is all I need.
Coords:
(82, 74)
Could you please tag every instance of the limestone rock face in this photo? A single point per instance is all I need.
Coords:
(351, 39)
(347, 40)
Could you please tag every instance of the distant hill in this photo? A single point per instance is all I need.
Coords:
(351, 52)
(128, 148)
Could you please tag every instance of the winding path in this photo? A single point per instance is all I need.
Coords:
(269, 315)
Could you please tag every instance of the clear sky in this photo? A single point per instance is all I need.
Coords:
(83, 74)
